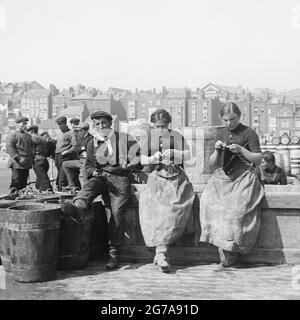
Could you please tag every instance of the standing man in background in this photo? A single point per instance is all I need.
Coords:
(71, 167)
(19, 147)
(66, 147)
(40, 163)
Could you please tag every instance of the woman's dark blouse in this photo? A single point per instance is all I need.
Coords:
(241, 135)
(172, 139)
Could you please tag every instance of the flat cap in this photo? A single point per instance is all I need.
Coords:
(101, 114)
(61, 119)
(33, 127)
(21, 119)
(75, 120)
(84, 126)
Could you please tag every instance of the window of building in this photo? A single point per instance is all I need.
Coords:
(297, 123)
(269, 111)
(285, 124)
(205, 118)
(193, 112)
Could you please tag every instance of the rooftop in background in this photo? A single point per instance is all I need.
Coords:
(102, 96)
(83, 96)
(36, 93)
(174, 92)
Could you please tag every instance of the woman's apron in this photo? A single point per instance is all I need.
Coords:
(165, 206)
(229, 210)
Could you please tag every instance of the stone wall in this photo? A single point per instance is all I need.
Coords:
(278, 241)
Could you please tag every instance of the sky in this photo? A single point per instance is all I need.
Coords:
(148, 44)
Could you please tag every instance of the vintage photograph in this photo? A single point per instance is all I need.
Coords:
(150, 151)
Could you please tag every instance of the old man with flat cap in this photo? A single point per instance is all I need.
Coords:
(108, 168)
(19, 147)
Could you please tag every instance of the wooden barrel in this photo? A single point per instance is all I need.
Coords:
(58, 201)
(4, 250)
(285, 152)
(74, 245)
(295, 140)
(285, 139)
(295, 159)
(41, 198)
(275, 141)
(33, 240)
(99, 231)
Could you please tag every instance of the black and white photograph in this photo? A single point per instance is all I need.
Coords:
(150, 152)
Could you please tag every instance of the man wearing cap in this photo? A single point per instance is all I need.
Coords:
(84, 137)
(40, 162)
(66, 149)
(19, 147)
(74, 123)
(108, 168)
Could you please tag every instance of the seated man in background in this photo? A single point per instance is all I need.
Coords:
(268, 172)
(84, 137)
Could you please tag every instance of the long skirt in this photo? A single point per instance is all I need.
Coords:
(165, 207)
(230, 212)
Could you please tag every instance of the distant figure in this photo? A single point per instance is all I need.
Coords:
(40, 163)
(84, 137)
(65, 150)
(268, 172)
(72, 174)
(51, 144)
(19, 147)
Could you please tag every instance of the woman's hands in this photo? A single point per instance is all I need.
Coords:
(165, 157)
(235, 148)
(219, 145)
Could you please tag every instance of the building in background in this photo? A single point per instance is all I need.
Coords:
(59, 103)
(79, 112)
(204, 112)
(36, 104)
(175, 101)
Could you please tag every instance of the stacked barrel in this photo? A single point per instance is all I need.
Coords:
(37, 239)
(287, 153)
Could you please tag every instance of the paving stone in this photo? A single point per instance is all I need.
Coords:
(145, 281)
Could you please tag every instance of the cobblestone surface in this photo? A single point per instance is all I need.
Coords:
(145, 281)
